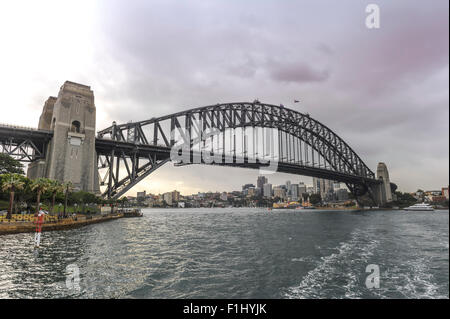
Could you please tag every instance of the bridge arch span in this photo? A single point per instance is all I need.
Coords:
(305, 146)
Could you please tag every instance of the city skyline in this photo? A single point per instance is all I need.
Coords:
(309, 188)
(385, 91)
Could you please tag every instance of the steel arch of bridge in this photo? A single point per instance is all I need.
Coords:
(139, 148)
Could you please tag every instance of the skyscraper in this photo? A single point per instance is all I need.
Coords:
(288, 188)
(324, 187)
(301, 188)
(267, 190)
(280, 192)
(260, 182)
(294, 192)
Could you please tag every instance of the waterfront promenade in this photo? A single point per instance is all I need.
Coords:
(29, 226)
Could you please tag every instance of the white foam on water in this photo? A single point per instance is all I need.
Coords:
(326, 279)
(415, 280)
(306, 259)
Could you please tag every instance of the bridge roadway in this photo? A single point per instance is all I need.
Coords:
(105, 147)
(24, 143)
(17, 141)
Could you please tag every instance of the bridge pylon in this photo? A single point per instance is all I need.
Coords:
(70, 155)
(382, 192)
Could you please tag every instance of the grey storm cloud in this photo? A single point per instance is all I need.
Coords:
(296, 72)
(384, 91)
(375, 88)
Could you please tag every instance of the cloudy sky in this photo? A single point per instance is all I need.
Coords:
(384, 91)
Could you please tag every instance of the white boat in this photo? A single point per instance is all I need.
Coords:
(420, 207)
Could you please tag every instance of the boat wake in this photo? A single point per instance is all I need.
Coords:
(335, 274)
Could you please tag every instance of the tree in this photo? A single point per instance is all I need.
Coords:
(54, 187)
(10, 165)
(404, 199)
(315, 199)
(305, 197)
(40, 185)
(123, 200)
(68, 188)
(11, 183)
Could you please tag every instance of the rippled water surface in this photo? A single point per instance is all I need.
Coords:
(234, 253)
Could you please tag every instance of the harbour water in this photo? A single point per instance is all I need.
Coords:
(234, 253)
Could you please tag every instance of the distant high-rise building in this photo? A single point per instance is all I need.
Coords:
(167, 197)
(317, 183)
(260, 182)
(267, 190)
(245, 188)
(280, 191)
(294, 192)
(171, 197)
(176, 196)
(288, 188)
(301, 188)
(324, 187)
(341, 194)
(140, 194)
(251, 191)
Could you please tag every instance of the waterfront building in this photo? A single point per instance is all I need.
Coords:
(439, 198)
(267, 190)
(251, 192)
(171, 197)
(323, 187)
(140, 194)
(288, 188)
(245, 188)
(445, 192)
(280, 191)
(224, 196)
(167, 197)
(342, 194)
(302, 188)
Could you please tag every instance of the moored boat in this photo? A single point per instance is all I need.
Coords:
(134, 212)
(420, 207)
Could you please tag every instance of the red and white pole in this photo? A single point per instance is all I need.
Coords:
(37, 234)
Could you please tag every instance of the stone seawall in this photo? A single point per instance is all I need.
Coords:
(28, 227)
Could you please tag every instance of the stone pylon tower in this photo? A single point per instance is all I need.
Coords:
(71, 153)
(384, 193)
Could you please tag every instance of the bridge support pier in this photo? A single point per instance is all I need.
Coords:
(71, 155)
(382, 192)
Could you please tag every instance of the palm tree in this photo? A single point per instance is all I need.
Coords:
(55, 187)
(40, 185)
(12, 183)
(123, 200)
(68, 187)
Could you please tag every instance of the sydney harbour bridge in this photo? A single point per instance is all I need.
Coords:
(254, 135)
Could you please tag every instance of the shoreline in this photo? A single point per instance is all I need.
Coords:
(30, 227)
